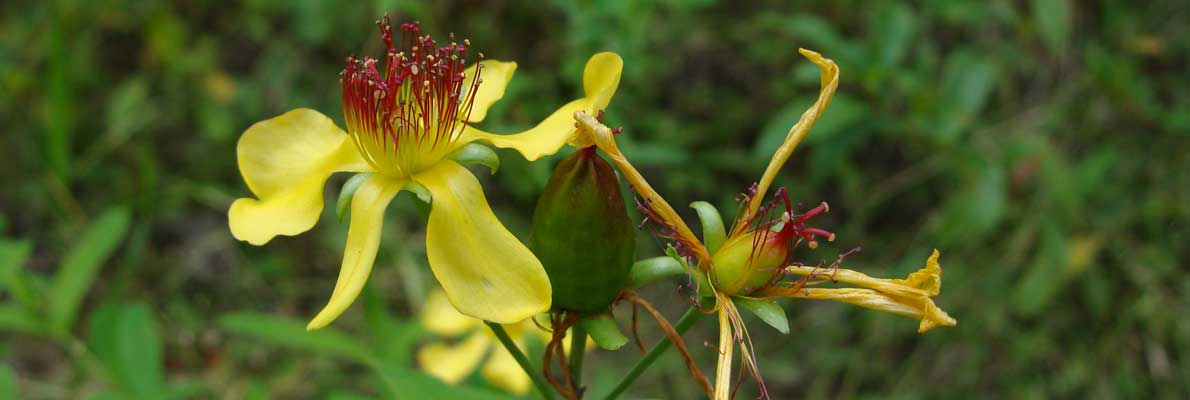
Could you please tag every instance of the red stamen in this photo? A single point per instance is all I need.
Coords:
(418, 95)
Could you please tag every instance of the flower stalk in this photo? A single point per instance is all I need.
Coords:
(538, 381)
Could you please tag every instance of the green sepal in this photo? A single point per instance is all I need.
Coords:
(604, 331)
(347, 192)
(767, 310)
(651, 269)
(475, 153)
(418, 190)
(705, 291)
(713, 233)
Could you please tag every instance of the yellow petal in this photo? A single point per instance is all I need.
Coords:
(925, 282)
(726, 345)
(927, 279)
(909, 297)
(829, 81)
(922, 309)
(440, 317)
(503, 371)
(363, 239)
(453, 363)
(493, 80)
(285, 162)
(485, 271)
(601, 77)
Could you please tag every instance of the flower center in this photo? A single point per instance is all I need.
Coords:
(756, 258)
(405, 116)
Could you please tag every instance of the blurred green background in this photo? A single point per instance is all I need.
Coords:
(1041, 145)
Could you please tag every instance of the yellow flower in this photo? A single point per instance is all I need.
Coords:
(750, 260)
(404, 119)
(454, 362)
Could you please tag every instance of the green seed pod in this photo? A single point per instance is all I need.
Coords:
(748, 262)
(582, 233)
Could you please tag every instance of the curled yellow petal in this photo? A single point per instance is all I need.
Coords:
(923, 310)
(502, 371)
(601, 77)
(485, 271)
(363, 240)
(909, 297)
(452, 363)
(494, 79)
(829, 77)
(285, 161)
(439, 317)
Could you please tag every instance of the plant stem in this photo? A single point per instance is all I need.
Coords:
(578, 346)
(688, 319)
(538, 381)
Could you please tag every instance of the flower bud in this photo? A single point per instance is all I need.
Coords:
(750, 261)
(582, 233)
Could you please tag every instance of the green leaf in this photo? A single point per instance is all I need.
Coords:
(14, 318)
(8, 383)
(767, 310)
(404, 383)
(651, 269)
(1052, 18)
(967, 83)
(81, 263)
(126, 340)
(978, 206)
(604, 331)
(396, 339)
(893, 30)
(1046, 277)
(13, 254)
(475, 153)
(347, 193)
(287, 332)
(713, 233)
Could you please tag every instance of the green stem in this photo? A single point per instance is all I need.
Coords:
(538, 381)
(688, 319)
(578, 346)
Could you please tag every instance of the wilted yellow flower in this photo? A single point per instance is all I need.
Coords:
(404, 120)
(909, 297)
(751, 259)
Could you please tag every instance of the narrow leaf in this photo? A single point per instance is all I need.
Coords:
(14, 318)
(81, 264)
(8, 383)
(1052, 18)
(13, 277)
(126, 339)
(292, 333)
(767, 310)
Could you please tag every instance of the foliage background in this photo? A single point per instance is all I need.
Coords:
(1041, 145)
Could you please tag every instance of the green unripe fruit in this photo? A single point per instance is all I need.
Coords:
(748, 262)
(582, 233)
